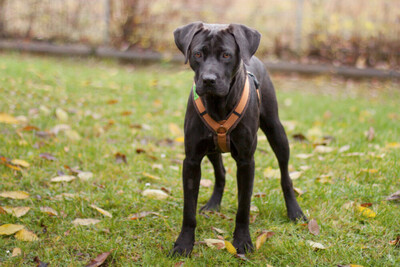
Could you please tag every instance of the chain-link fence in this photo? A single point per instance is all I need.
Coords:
(353, 32)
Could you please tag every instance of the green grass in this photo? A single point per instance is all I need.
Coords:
(156, 96)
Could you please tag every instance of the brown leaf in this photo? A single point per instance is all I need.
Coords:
(120, 158)
(142, 214)
(39, 262)
(313, 227)
(126, 113)
(263, 237)
(260, 194)
(299, 137)
(394, 196)
(395, 242)
(366, 205)
(29, 128)
(99, 260)
(43, 134)
(47, 156)
(370, 134)
(112, 101)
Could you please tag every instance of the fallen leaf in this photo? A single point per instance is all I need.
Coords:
(62, 178)
(20, 162)
(260, 194)
(355, 154)
(348, 205)
(112, 101)
(315, 245)
(219, 231)
(395, 242)
(47, 156)
(85, 175)
(323, 149)
(230, 248)
(265, 234)
(299, 137)
(366, 212)
(393, 145)
(295, 175)
(99, 260)
(104, 212)
(344, 148)
(72, 135)
(150, 176)
(179, 263)
(16, 211)
(80, 221)
(25, 235)
(155, 194)
(61, 114)
(126, 113)
(15, 194)
(180, 139)
(175, 129)
(65, 195)
(370, 170)
(272, 173)
(120, 158)
(9, 229)
(313, 227)
(40, 263)
(206, 182)
(366, 204)
(303, 156)
(16, 252)
(394, 196)
(298, 191)
(49, 211)
(142, 214)
(243, 257)
(60, 128)
(6, 118)
(370, 134)
(215, 243)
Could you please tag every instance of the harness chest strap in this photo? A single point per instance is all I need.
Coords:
(223, 128)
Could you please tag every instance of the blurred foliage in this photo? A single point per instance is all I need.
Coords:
(358, 33)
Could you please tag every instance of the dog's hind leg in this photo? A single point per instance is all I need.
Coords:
(214, 202)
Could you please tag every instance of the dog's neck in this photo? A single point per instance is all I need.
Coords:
(220, 107)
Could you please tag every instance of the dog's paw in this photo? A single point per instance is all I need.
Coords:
(210, 206)
(180, 251)
(297, 215)
(242, 241)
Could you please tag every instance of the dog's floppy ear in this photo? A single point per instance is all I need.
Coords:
(247, 39)
(184, 36)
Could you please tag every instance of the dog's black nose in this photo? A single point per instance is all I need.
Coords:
(209, 79)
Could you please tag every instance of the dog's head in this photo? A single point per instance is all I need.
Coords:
(215, 52)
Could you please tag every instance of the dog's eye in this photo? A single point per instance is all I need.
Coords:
(197, 55)
(226, 55)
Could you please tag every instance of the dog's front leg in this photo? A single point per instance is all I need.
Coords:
(245, 178)
(191, 181)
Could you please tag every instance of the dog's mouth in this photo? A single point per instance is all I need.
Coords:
(218, 91)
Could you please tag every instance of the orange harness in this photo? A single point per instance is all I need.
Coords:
(222, 129)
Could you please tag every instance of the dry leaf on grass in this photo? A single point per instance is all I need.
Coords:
(80, 221)
(6, 118)
(175, 129)
(394, 196)
(20, 162)
(366, 212)
(62, 178)
(120, 158)
(61, 114)
(15, 194)
(25, 235)
(99, 260)
(315, 245)
(313, 227)
(269, 172)
(16, 211)
(215, 243)
(323, 149)
(85, 175)
(155, 194)
(295, 175)
(47, 156)
(16, 252)
(265, 234)
(206, 182)
(219, 231)
(104, 212)
(9, 229)
(142, 214)
(150, 176)
(303, 156)
(49, 211)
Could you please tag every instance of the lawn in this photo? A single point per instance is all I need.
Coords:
(116, 129)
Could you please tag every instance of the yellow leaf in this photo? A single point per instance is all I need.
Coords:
(175, 129)
(393, 145)
(355, 265)
(16, 252)
(104, 212)
(271, 173)
(155, 194)
(295, 175)
(13, 167)
(61, 114)
(230, 248)
(9, 229)
(79, 221)
(25, 235)
(370, 170)
(73, 135)
(180, 139)
(315, 245)
(6, 118)
(150, 176)
(16, 211)
(49, 211)
(15, 194)
(262, 238)
(366, 212)
(20, 162)
(62, 178)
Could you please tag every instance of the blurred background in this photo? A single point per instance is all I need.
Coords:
(359, 33)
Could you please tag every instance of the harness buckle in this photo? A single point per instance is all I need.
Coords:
(222, 129)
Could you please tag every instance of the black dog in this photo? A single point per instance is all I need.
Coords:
(221, 56)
